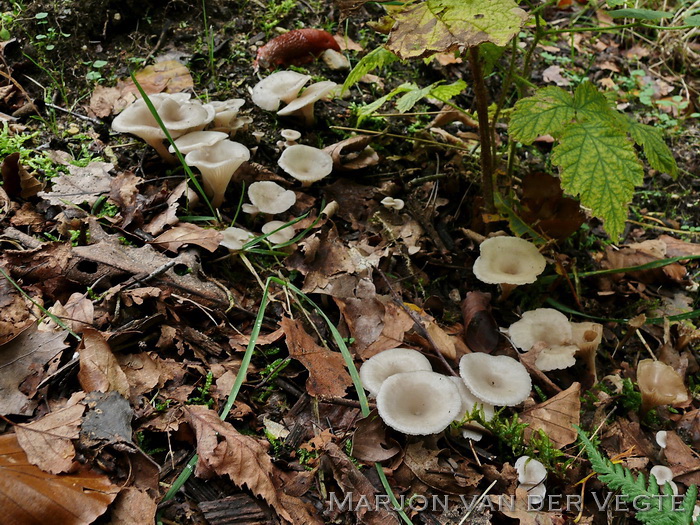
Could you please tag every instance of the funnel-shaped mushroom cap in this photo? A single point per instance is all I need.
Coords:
(663, 475)
(556, 357)
(418, 403)
(544, 325)
(508, 260)
(183, 117)
(234, 238)
(304, 105)
(530, 471)
(305, 163)
(282, 86)
(659, 384)
(496, 379)
(196, 140)
(270, 197)
(226, 111)
(217, 164)
(377, 368)
(587, 336)
(286, 233)
(469, 401)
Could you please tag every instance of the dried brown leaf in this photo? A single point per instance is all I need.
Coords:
(370, 442)
(99, 369)
(480, 328)
(15, 313)
(135, 507)
(186, 234)
(81, 185)
(556, 416)
(352, 153)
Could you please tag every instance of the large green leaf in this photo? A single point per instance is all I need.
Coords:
(657, 152)
(591, 104)
(434, 26)
(598, 162)
(445, 92)
(376, 58)
(548, 111)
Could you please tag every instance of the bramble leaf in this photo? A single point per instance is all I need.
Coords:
(591, 104)
(376, 58)
(548, 111)
(435, 26)
(598, 162)
(657, 152)
(445, 92)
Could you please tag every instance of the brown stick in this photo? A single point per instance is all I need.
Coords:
(482, 112)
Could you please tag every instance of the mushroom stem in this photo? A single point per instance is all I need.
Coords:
(506, 290)
(162, 150)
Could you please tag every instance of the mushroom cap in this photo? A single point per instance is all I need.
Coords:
(662, 474)
(270, 197)
(226, 111)
(587, 336)
(469, 401)
(290, 134)
(183, 117)
(662, 438)
(418, 403)
(556, 357)
(304, 105)
(392, 203)
(306, 163)
(496, 379)
(279, 237)
(379, 367)
(197, 139)
(508, 260)
(545, 325)
(659, 384)
(281, 86)
(217, 164)
(530, 471)
(234, 238)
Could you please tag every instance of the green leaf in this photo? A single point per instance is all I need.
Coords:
(693, 20)
(598, 162)
(435, 26)
(548, 111)
(591, 104)
(640, 14)
(376, 58)
(368, 109)
(445, 92)
(407, 101)
(657, 152)
(490, 54)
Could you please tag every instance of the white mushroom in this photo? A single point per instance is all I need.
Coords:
(234, 238)
(196, 140)
(306, 163)
(469, 402)
(379, 367)
(663, 475)
(393, 204)
(531, 477)
(282, 86)
(226, 111)
(556, 357)
(285, 233)
(662, 438)
(587, 336)
(270, 197)
(303, 106)
(290, 137)
(498, 380)
(217, 164)
(418, 403)
(544, 325)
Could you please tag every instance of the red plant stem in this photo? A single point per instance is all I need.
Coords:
(482, 113)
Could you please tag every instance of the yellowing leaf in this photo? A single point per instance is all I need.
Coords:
(548, 111)
(435, 26)
(598, 162)
(657, 152)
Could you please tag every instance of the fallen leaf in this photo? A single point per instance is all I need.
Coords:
(677, 248)
(480, 328)
(353, 153)
(15, 313)
(426, 464)
(524, 512)
(187, 233)
(17, 181)
(327, 373)
(556, 416)
(79, 312)
(682, 460)
(23, 357)
(553, 74)
(223, 451)
(107, 422)
(68, 499)
(628, 256)
(168, 217)
(545, 208)
(99, 369)
(133, 506)
(80, 185)
(47, 441)
(370, 442)
(347, 44)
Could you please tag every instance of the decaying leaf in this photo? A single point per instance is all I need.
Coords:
(133, 506)
(636, 255)
(99, 369)
(22, 358)
(682, 460)
(223, 451)
(526, 511)
(556, 416)
(353, 153)
(426, 464)
(480, 328)
(188, 233)
(81, 185)
(327, 373)
(72, 499)
(15, 313)
(18, 182)
(47, 441)
(544, 207)
(370, 442)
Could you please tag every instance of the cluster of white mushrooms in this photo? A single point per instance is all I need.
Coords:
(415, 400)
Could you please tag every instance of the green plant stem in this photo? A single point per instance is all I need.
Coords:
(482, 112)
(613, 28)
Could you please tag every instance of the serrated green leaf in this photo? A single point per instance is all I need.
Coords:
(407, 101)
(490, 54)
(548, 111)
(368, 109)
(591, 104)
(658, 154)
(376, 58)
(435, 26)
(599, 163)
(640, 14)
(693, 20)
(445, 92)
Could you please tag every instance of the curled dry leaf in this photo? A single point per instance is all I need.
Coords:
(47, 441)
(544, 207)
(480, 328)
(17, 181)
(353, 153)
(556, 416)
(636, 255)
(370, 442)
(15, 313)
(73, 499)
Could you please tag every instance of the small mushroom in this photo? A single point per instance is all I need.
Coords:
(509, 262)
(226, 111)
(662, 438)
(469, 402)
(234, 238)
(587, 336)
(282, 86)
(499, 380)
(393, 204)
(531, 477)
(379, 367)
(303, 106)
(306, 163)
(659, 384)
(663, 475)
(217, 164)
(196, 140)
(418, 403)
(270, 197)
(284, 233)
(290, 137)
(542, 325)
